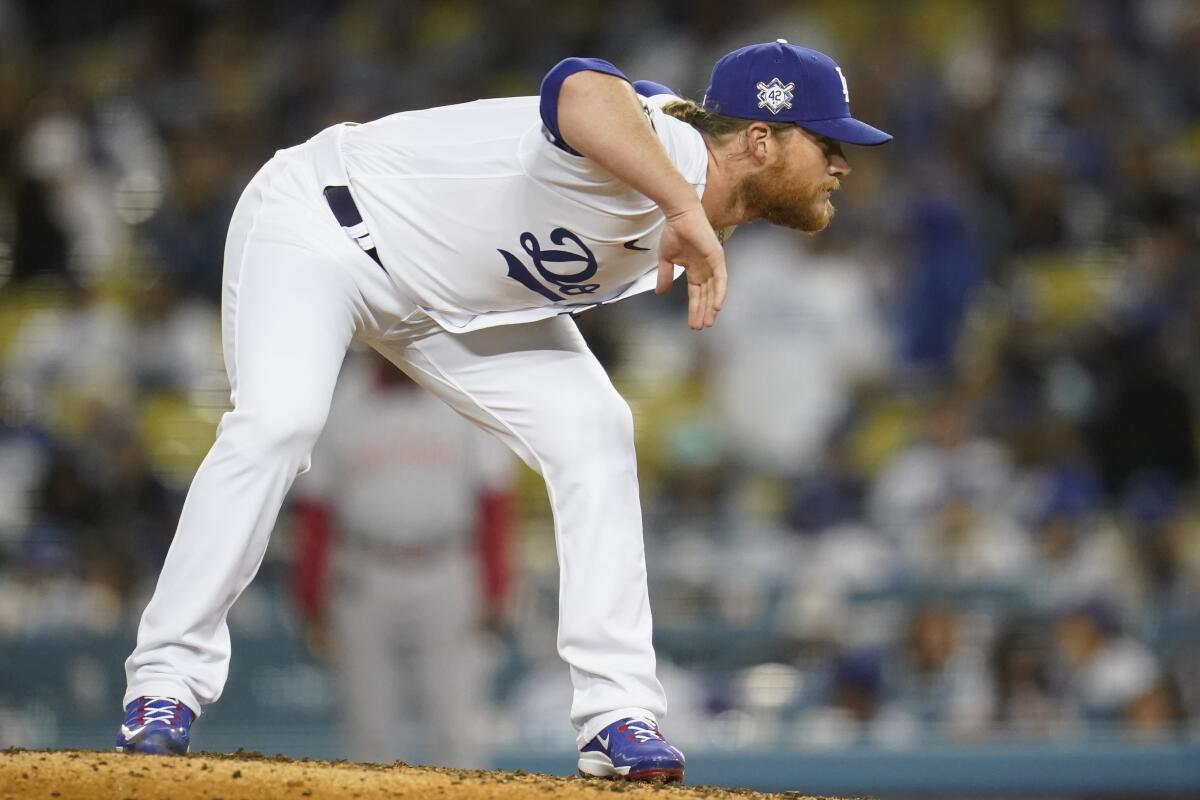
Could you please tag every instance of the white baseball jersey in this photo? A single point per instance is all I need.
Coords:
(486, 222)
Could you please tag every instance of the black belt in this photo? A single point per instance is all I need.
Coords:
(348, 216)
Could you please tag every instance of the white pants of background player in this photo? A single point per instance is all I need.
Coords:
(410, 660)
(296, 291)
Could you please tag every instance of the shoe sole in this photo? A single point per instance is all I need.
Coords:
(643, 776)
(152, 744)
(597, 765)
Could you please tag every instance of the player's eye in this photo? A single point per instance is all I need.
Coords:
(830, 147)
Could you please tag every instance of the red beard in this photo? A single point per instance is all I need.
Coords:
(771, 196)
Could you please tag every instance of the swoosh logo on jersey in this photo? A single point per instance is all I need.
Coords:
(603, 740)
(632, 245)
(129, 734)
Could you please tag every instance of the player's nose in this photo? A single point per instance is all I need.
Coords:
(838, 165)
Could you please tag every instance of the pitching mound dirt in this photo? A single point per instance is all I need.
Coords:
(206, 776)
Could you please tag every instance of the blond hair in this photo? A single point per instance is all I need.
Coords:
(715, 125)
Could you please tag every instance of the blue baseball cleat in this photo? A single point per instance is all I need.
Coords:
(156, 725)
(633, 749)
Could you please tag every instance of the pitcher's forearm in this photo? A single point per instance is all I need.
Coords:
(600, 116)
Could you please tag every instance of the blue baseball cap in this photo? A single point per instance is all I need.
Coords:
(780, 82)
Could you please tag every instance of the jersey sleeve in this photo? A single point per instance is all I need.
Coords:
(653, 89)
(552, 86)
(552, 163)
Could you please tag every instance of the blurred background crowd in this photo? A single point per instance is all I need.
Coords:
(932, 476)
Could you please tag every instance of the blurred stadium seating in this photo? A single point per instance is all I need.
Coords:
(922, 510)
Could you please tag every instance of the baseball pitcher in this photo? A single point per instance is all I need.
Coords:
(458, 242)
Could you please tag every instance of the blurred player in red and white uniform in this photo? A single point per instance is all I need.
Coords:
(402, 528)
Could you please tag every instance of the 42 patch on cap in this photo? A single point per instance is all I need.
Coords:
(775, 96)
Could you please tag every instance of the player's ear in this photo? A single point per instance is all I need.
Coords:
(758, 141)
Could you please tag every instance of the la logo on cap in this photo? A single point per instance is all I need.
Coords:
(775, 96)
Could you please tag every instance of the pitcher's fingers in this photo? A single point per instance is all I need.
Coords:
(719, 295)
(705, 303)
(710, 310)
(666, 274)
(695, 314)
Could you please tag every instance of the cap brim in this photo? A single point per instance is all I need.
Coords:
(849, 130)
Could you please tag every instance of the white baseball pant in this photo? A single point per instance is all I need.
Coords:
(296, 291)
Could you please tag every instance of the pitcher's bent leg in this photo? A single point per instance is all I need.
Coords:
(288, 318)
(539, 388)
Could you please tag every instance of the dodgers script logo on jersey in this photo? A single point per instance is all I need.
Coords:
(570, 283)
